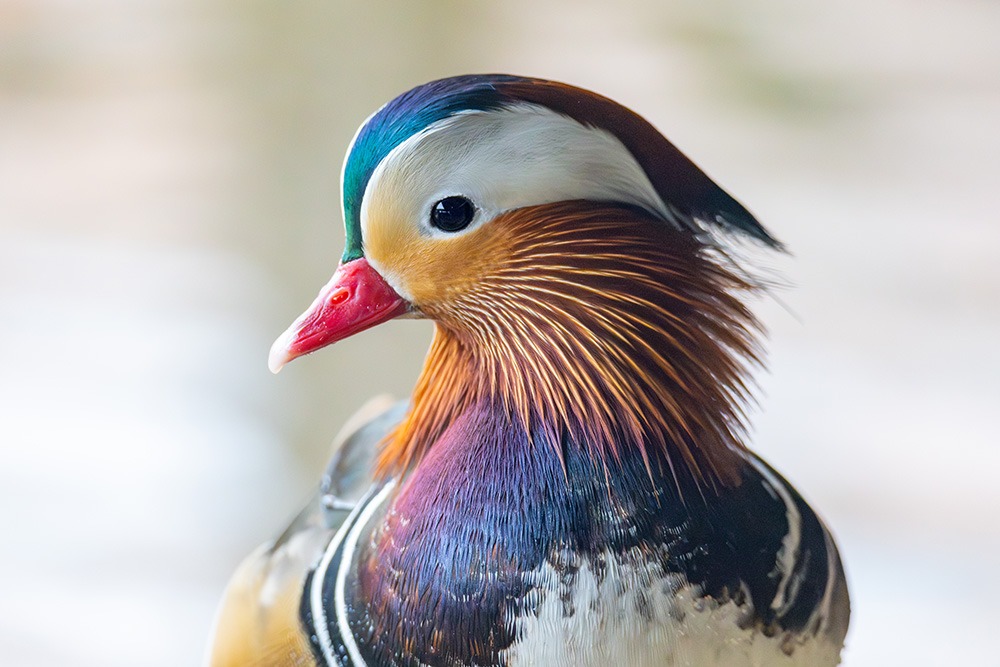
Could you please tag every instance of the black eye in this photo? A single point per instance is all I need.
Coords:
(452, 214)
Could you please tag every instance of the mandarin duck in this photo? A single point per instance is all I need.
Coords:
(568, 485)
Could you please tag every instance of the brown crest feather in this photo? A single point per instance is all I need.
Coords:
(599, 322)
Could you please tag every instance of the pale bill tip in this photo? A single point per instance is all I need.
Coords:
(279, 354)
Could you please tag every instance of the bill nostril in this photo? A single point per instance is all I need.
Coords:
(338, 297)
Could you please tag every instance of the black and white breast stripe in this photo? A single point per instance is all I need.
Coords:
(807, 564)
(324, 610)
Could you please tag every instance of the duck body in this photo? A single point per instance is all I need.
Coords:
(567, 486)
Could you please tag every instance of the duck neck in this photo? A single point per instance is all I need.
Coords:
(486, 468)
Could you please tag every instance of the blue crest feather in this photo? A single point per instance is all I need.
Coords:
(399, 120)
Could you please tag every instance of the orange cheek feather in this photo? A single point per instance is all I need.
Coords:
(432, 271)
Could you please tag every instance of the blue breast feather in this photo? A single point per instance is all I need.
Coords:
(488, 506)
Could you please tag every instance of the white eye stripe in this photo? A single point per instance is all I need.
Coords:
(523, 155)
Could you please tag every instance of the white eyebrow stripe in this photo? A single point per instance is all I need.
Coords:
(517, 156)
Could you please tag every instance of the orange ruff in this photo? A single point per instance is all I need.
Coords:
(594, 321)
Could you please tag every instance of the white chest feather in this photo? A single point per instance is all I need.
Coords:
(638, 616)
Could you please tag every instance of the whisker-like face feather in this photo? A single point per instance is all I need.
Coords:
(647, 347)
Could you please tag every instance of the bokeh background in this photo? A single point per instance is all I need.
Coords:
(169, 202)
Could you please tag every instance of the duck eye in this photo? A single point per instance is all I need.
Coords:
(452, 214)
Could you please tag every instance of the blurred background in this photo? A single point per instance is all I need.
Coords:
(169, 203)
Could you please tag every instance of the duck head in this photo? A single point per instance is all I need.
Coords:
(571, 257)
